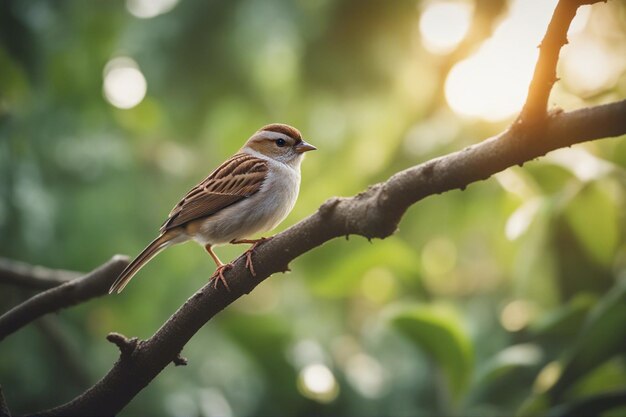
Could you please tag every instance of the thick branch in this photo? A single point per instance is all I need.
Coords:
(94, 284)
(373, 213)
(36, 277)
(544, 76)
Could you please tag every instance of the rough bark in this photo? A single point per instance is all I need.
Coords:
(34, 277)
(94, 284)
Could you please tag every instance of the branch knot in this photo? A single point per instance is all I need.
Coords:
(179, 360)
(329, 206)
(126, 346)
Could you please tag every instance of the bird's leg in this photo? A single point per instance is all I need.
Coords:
(249, 252)
(218, 275)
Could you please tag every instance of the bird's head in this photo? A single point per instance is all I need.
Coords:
(280, 142)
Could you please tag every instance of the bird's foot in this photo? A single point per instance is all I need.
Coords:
(250, 251)
(218, 275)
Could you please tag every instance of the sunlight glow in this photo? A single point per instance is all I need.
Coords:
(378, 285)
(579, 23)
(443, 25)
(516, 183)
(306, 351)
(521, 219)
(145, 9)
(516, 315)
(547, 377)
(439, 256)
(366, 375)
(181, 404)
(590, 67)
(582, 163)
(526, 354)
(214, 404)
(492, 83)
(318, 383)
(124, 84)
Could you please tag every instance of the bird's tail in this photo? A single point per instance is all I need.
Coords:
(156, 246)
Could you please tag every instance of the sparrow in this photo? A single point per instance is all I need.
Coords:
(249, 194)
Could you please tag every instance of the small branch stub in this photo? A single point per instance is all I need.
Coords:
(179, 360)
(127, 346)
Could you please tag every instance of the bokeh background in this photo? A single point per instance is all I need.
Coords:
(486, 302)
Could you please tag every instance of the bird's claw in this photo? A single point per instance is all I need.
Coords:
(249, 252)
(218, 275)
(249, 264)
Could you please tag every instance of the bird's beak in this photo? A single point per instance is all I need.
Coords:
(303, 147)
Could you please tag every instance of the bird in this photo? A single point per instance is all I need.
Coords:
(249, 194)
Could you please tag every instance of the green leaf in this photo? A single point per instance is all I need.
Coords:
(564, 321)
(438, 331)
(536, 405)
(513, 366)
(510, 359)
(601, 337)
(594, 218)
(341, 277)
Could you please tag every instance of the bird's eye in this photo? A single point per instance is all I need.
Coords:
(280, 143)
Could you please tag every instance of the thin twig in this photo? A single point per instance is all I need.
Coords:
(94, 284)
(30, 276)
(544, 77)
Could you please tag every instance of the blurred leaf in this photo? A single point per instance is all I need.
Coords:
(606, 404)
(549, 177)
(13, 83)
(593, 216)
(511, 358)
(602, 336)
(609, 376)
(577, 272)
(514, 366)
(564, 321)
(534, 406)
(438, 330)
(340, 277)
(265, 338)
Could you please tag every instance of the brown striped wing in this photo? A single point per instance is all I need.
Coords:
(237, 178)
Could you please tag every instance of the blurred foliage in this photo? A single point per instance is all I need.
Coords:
(506, 298)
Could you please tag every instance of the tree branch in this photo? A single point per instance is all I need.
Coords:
(94, 284)
(544, 76)
(35, 277)
(374, 213)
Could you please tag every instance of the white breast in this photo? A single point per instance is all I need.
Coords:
(257, 214)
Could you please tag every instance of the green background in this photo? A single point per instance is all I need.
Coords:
(449, 316)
